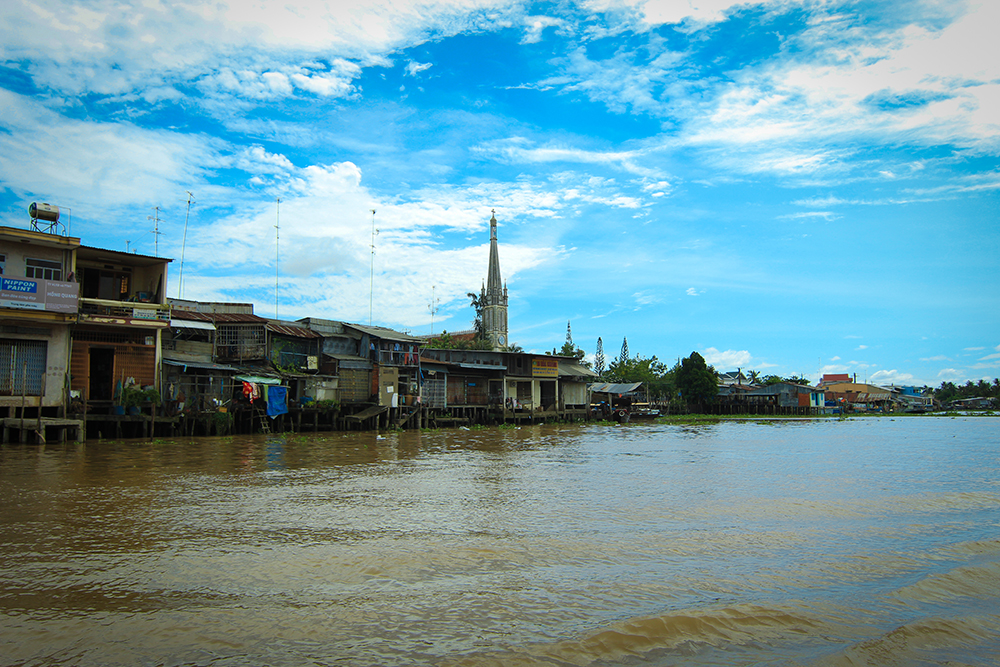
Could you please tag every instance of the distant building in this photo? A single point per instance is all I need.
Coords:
(834, 378)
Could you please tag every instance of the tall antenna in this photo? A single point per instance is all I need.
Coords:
(277, 226)
(433, 307)
(180, 277)
(371, 287)
(156, 230)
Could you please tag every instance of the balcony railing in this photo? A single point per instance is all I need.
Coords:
(158, 312)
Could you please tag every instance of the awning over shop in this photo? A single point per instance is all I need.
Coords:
(191, 324)
(257, 379)
(614, 388)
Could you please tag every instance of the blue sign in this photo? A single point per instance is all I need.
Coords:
(15, 285)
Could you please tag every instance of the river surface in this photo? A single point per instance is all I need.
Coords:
(855, 542)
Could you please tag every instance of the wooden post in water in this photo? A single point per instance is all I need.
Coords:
(24, 389)
(40, 431)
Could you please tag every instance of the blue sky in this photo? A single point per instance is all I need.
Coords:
(792, 187)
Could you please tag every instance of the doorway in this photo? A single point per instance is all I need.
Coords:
(102, 374)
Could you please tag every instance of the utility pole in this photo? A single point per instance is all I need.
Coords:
(371, 285)
(277, 226)
(180, 277)
(433, 307)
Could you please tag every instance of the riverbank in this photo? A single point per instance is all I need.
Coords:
(714, 419)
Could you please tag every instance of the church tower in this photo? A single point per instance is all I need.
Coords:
(494, 297)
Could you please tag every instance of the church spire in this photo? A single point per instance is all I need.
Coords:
(493, 282)
(495, 306)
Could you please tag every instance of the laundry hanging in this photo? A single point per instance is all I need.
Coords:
(277, 401)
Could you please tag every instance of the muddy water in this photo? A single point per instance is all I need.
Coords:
(819, 543)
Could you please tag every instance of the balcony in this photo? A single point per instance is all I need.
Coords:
(129, 313)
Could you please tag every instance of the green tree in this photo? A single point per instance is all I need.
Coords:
(696, 380)
(478, 303)
(569, 348)
(599, 358)
(656, 377)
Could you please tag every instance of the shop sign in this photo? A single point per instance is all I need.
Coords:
(544, 368)
(38, 294)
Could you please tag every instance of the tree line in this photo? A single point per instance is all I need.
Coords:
(690, 379)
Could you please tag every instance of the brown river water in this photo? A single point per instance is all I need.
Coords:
(856, 542)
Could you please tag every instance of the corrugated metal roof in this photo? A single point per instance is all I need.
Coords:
(293, 331)
(574, 369)
(382, 332)
(783, 387)
(224, 318)
(93, 253)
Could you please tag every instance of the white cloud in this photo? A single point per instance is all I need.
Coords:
(913, 85)
(413, 68)
(890, 377)
(98, 166)
(115, 47)
(534, 27)
(727, 358)
(807, 215)
(691, 291)
(861, 347)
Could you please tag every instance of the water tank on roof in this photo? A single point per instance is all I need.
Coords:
(45, 212)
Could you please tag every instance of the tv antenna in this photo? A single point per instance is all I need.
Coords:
(180, 277)
(156, 230)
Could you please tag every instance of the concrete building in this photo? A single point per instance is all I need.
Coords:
(123, 313)
(39, 301)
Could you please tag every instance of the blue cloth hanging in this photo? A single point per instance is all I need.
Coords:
(277, 401)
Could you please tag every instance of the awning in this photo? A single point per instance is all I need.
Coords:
(201, 365)
(191, 324)
(257, 379)
(344, 357)
(614, 388)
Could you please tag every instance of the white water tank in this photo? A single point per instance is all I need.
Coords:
(45, 212)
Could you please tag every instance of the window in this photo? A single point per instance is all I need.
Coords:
(3, 260)
(43, 269)
(22, 365)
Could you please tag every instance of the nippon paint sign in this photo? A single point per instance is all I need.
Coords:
(37, 294)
